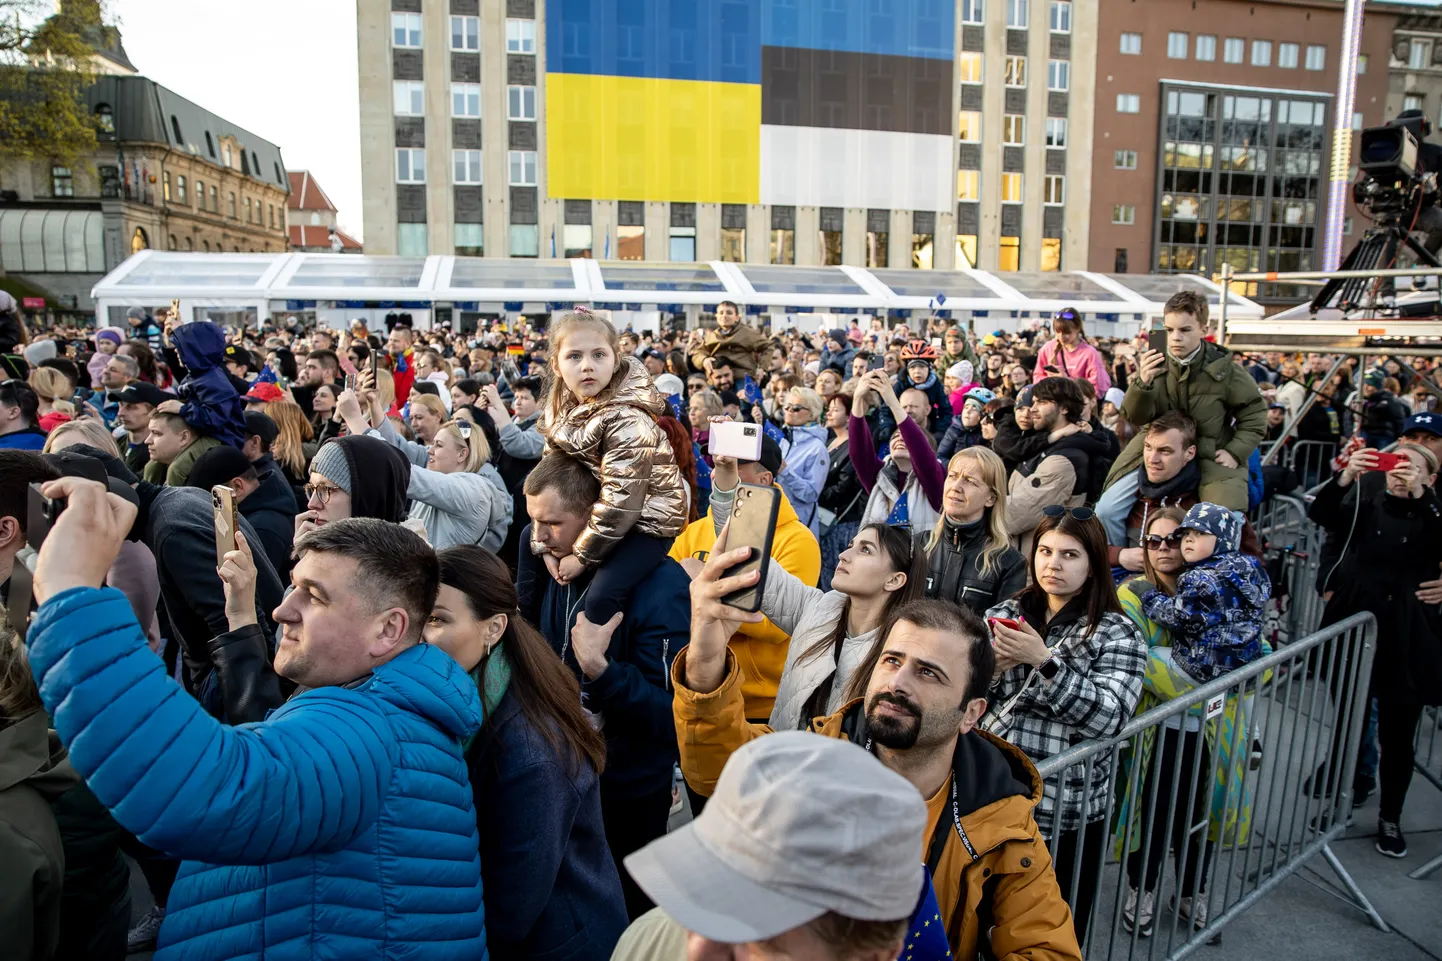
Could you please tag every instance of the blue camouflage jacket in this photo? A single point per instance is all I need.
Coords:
(1215, 618)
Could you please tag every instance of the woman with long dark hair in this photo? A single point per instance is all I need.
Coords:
(1071, 669)
(551, 887)
(140, 352)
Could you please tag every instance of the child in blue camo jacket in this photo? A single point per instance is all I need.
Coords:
(1215, 618)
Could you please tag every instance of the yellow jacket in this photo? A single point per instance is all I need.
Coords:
(995, 885)
(760, 649)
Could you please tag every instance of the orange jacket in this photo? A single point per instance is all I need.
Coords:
(1010, 869)
(761, 648)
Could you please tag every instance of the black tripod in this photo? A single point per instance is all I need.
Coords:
(1377, 250)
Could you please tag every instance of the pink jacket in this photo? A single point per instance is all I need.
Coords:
(1085, 362)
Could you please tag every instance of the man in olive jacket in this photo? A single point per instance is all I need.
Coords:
(1202, 380)
(737, 343)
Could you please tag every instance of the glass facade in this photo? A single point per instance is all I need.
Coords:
(1240, 181)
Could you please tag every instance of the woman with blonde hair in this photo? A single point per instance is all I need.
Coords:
(970, 559)
(54, 390)
(292, 447)
(86, 430)
(455, 493)
(806, 461)
(428, 413)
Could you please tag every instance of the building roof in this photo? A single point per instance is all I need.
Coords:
(146, 112)
(305, 235)
(306, 193)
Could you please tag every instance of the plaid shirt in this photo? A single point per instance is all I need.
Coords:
(1092, 697)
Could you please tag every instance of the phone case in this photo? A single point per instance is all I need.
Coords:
(1157, 340)
(753, 525)
(222, 501)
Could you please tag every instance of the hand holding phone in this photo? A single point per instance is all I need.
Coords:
(1157, 340)
(735, 439)
(222, 505)
(1385, 462)
(752, 525)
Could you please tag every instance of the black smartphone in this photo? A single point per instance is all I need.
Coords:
(375, 365)
(1157, 339)
(753, 525)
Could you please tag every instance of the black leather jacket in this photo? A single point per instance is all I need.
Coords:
(954, 569)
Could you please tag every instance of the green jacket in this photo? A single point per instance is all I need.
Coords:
(177, 471)
(1218, 394)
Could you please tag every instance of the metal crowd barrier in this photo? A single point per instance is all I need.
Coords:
(1292, 550)
(1427, 756)
(1311, 461)
(1224, 774)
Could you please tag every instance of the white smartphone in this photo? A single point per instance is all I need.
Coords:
(735, 439)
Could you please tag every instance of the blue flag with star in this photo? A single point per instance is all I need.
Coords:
(750, 392)
(675, 401)
(703, 469)
(266, 376)
(774, 432)
(926, 934)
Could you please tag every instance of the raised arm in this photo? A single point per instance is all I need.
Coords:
(930, 472)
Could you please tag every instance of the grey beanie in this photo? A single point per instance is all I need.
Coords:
(137, 313)
(330, 462)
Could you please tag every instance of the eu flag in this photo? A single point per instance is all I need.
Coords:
(774, 432)
(675, 401)
(750, 392)
(926, 934)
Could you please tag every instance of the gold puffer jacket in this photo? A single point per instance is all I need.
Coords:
(617, 437)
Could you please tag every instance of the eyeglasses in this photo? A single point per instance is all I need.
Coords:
(320, 492)
(1154, 542)
(988, 418)
(1078, 513)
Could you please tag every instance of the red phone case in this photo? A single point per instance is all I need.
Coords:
(1005, 622)
(1386, 462)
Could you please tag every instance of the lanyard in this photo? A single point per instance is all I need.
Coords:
(938, 839)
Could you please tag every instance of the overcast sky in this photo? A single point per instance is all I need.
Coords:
(283, 69)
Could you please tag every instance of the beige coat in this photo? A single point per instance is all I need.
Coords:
(618, 438)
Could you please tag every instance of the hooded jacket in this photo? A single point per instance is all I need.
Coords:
(342, 825)
(803, 477)
(380, 476)
(1060, 474)
(27, 438)
(990, 865)
(1215, 617)
(1382, 418)
(940, 416)
(738, 346)
(33, 774)
(208, 399)
(955, 569)
(616, 436)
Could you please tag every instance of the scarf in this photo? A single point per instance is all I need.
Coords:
(493, 677)
(1187, 481)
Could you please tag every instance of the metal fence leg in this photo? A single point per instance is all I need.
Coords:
(1356, 892)
(1422, 873)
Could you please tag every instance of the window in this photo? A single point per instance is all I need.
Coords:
(1177, 45)
(1010, 253)
(1361, 63)
(968, 67)
(411, 240)
(521, 103)
(104, 118)
(469, 240)
(830, 241)
(525, 240)
(520, 36)
(1420, 55)
(1058, 75)
(272, 215)
(165, 185)
(783, 242)
(180, 190)
(247, 211)
(682, 245)
(1206, 47)
(1050, 253)
(465, 100)
(1061, 16)
(1016, 71)
(1129, 103)
(971, 11)
(1053, 190)
(1317, 58)
(1356, 125)
(968, 185)
(877, 247)
(1413, 101)
(214, 201)
(576, 240)
(465, 33)
(1132, 43)
(1017, 14)
(631, 243)
(467, 165)
(1261, 53)
(410, 165)
(923, 251)
(1056, 131)
(1289, 55)
(522, 164)
(1119, 261)
(733, 244)
(1011, 188)
(1013, 129)
(1125, 160)
(406, 30)
(1124, 214)
(968, 126)
(1233, 50)
(966, 250)
(62, 182)
(232, 206)
(199, 195)
(410, 98)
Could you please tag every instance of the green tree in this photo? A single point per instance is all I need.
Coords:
(45, 69)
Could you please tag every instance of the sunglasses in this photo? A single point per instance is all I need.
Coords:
(1055, 511)
(988, 418)
(797, 408)
(1154, 542)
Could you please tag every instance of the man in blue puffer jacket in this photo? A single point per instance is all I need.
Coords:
(340, 826)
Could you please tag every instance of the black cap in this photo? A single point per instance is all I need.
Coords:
(260, 425)
(139, 392)
(219, 465)
(653, 352)
(237, 354)
(770, 456)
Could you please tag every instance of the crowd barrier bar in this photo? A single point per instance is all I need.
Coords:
(1427, 756)
(1304, 705)
(1292, 546)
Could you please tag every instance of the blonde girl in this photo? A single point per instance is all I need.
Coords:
(970, 559)
(601, 409)
(86, 430)
(291, 448)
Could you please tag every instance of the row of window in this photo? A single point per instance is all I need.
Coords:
(1058, 72)
(409, 100)
(1234, 50)
(465, 166)
(63, 185)
(1018, 14)
(465, 33)
(1013, 129)
(968, 187)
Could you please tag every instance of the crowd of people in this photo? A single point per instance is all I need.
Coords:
(471, 652)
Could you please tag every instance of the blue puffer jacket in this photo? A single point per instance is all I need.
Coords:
(1216, 616)
(342, 826)
(208, 400)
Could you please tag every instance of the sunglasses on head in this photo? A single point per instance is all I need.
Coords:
(1154, 542)
(1078, 513)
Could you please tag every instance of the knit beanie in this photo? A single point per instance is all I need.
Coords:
(330, 462)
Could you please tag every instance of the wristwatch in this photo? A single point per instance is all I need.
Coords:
(1049, 668)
